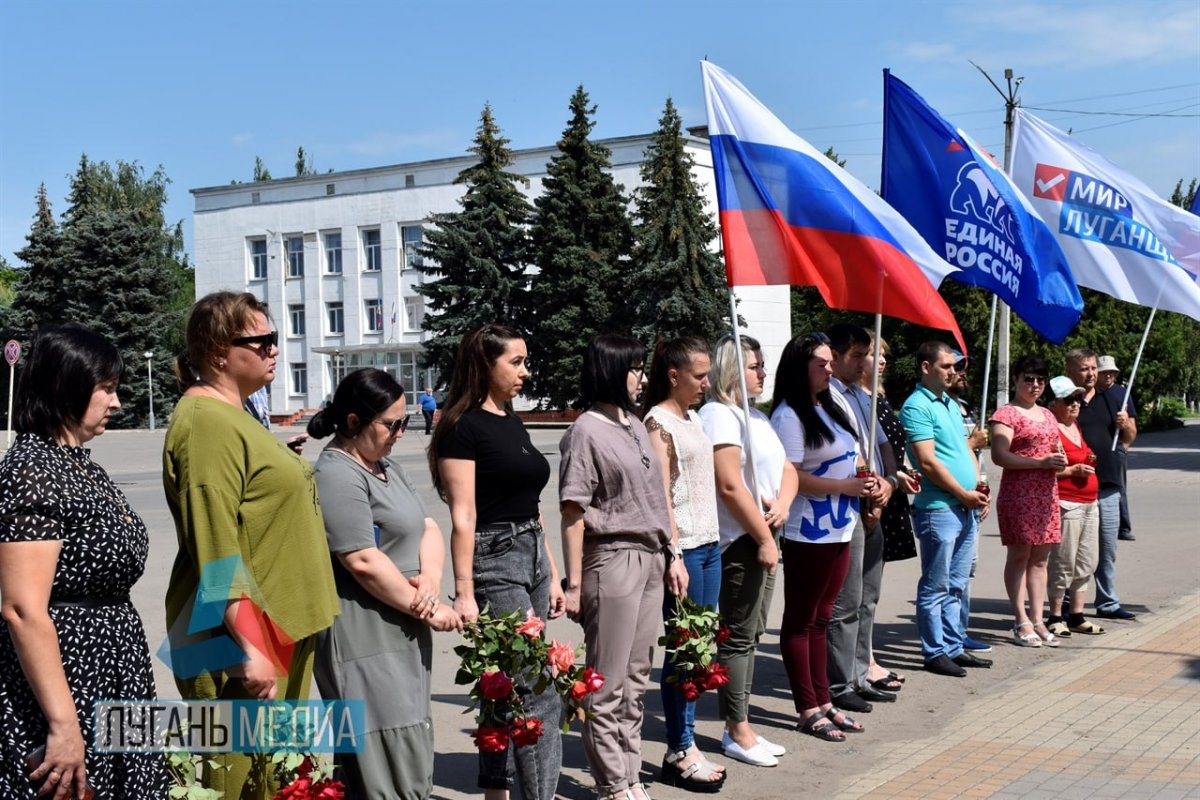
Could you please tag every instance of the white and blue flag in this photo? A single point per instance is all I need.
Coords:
(1119, 236)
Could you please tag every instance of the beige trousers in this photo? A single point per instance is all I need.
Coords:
(1073, 560)
(621, 601)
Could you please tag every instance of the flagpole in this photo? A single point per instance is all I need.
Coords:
(1136, 360)
(987, 365)
(741, 368)
(875, 391)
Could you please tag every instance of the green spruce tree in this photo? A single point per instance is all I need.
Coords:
(477, 254)
(118, 269)
(582, 238)
(40, 292)
(681, 278)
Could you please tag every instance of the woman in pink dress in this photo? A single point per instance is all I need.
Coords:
(1025, 444)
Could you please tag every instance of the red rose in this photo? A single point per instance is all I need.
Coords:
(689, 690)
(723, 634)
(532, 626)
(592, 680)
(525, 730)
(296, 790)
(495, 685)
(715, 676)
(306, 766)
(329, 789)
(560, 657)
(579, 690)
(491, 740)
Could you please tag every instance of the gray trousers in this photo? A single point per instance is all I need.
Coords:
(853, 622)
(746, 591)
(621, 601)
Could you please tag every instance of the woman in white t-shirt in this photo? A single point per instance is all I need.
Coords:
(819, 440)
(748, 531)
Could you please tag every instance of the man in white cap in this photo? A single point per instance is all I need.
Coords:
(1106, 379)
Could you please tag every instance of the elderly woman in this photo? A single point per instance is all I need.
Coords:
(619, 550)
(388, 557)
(71, 548)
(488, 471)
(1025, 444)
(244, 506)
(749, 528)
(1073, 560)
(819, 439)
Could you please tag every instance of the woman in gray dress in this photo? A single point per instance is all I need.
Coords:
(388, 558)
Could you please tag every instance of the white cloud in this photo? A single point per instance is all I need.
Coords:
(1070, 36)
(242, 139)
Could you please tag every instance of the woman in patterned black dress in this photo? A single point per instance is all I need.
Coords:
(70, 550)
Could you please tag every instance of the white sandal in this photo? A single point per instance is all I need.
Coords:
(1048, 638)
(1030, 639)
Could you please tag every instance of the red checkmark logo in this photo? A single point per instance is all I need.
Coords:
(1050, 182)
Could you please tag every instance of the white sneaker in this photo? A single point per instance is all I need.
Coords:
(756, 756)
(771, 747)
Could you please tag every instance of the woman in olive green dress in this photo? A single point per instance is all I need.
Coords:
(252, 576)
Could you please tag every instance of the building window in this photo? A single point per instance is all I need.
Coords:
(296, 320)
(413, 315)
(295, 256)
(337, 322)
(300, 378)
(258, 259)
(413, 237)
(333, 253)
(374, 316)
(372, 251)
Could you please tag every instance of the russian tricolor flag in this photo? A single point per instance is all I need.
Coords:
(790, 216)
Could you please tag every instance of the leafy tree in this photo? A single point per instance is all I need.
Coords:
(261, 173)
(9, 275)
(304, 163)
(113, 265)
(681, 279)
(582, 238)
(478, 254)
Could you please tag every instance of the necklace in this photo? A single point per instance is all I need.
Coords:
(116, 498)
(628, 426)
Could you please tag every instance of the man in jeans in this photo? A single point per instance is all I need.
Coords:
(1100, 417)
(943, 512)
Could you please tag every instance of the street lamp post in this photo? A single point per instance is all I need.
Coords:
(149, 356)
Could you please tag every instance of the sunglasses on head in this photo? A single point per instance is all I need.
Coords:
(265, 340)
(394, 426)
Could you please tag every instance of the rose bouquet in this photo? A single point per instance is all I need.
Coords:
(692, 636)
(506, 657)
(301, 777)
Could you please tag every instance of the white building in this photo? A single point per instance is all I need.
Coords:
(333, 256)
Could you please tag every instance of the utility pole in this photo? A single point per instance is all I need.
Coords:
(1002, 345)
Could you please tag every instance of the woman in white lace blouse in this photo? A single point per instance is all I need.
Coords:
(678, 380)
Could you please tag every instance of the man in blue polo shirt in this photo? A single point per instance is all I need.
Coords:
(942, 512)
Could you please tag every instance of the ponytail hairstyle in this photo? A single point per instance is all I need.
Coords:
(673, 354)
(213, 323)
(724, 385)
(478, 352)
(363, 394)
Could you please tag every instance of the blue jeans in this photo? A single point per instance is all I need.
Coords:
(1106, 565)
(966, 594)
(703, 565)
(512, 573)
(947, 541)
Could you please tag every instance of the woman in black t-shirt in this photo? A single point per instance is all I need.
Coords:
(487, 470)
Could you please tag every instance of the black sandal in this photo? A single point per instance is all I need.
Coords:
(818, 725)
(847, 725)
(887, 683)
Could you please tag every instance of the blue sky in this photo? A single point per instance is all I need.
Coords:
(201, 88)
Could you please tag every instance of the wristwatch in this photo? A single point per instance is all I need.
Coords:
(674, 551)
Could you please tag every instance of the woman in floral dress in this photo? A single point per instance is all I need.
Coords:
(1025, 444)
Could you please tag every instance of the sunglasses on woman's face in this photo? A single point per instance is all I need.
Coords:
(1033, 379)
(264, 341)
(395, 426)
